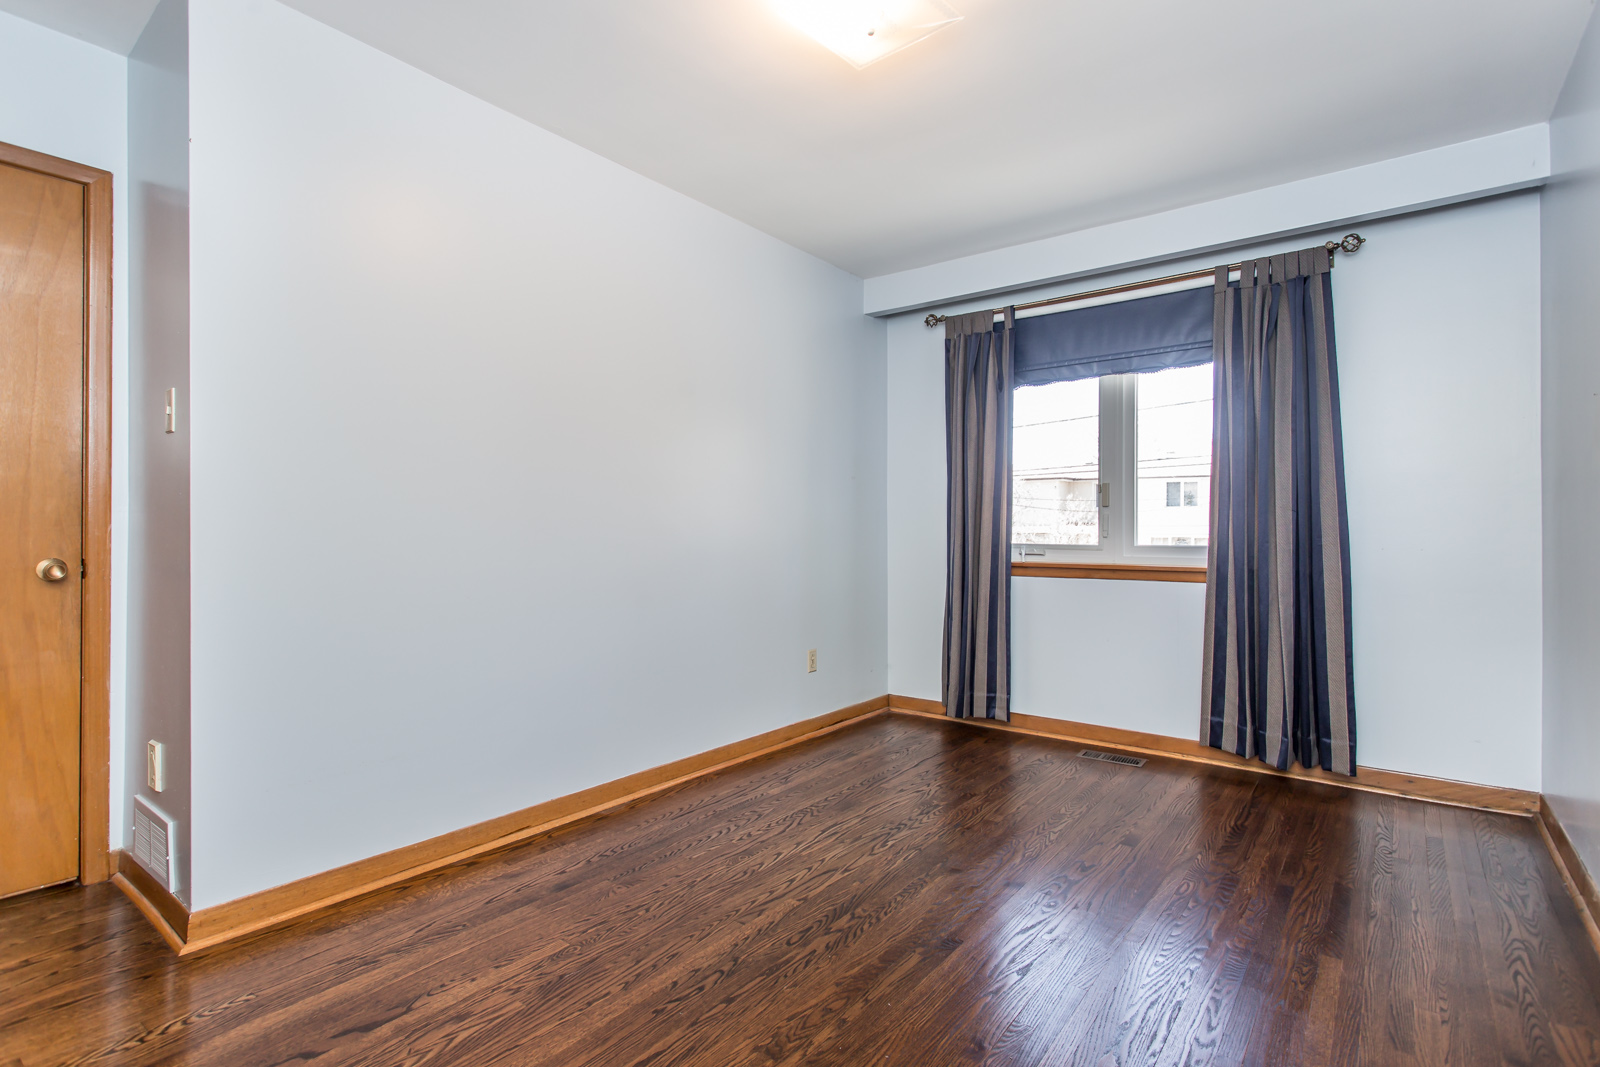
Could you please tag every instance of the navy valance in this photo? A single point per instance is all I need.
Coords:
(1150, 333)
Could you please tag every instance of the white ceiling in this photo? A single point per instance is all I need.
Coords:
(1026, 119)
(113, 24)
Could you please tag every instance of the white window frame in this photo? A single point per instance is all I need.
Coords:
(1118, 474)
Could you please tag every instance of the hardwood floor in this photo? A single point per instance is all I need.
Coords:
(902, 892)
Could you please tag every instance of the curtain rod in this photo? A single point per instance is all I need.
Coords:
(1352, 243)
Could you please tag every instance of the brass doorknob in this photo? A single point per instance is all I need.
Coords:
(51, 570)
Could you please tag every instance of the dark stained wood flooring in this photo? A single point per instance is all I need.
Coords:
(902, 893)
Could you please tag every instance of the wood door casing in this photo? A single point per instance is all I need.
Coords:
(42, 339)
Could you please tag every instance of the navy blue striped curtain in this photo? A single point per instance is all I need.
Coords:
(1278, 674)
(979, 379)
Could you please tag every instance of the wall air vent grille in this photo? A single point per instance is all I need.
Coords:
(1112, 757)
(152, 841)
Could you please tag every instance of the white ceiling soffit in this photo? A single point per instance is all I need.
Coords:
(1025, 119)
(1485, 166)
(111, 24)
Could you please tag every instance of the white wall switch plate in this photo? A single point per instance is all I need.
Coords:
(155, 766)
(811, 661)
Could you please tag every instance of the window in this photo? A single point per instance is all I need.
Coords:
(1055, 464)
(1183, 494)
(1173, 416)
(1114, 469)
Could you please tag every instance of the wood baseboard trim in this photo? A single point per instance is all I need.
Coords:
(917, 704)
(210, 928)
(220, 924)
(1580, 883)
(1368, 779)
(164, 911)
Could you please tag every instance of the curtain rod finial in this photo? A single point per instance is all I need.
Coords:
(1352, 243)
(932, 320)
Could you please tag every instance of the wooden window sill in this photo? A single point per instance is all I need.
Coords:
(1118, 571)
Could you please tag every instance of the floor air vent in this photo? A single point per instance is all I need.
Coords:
(1112, 757)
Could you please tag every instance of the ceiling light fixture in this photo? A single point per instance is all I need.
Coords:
(864, 31)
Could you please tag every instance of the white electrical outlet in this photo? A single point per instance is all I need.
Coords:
(155, 766)
(811, 661)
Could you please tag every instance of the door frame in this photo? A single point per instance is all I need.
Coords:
(94, 693)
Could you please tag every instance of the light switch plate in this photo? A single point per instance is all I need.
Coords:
(155, 773)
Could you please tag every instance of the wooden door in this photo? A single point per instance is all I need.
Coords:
(42, 314)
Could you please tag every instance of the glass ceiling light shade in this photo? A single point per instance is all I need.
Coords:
(864, 31)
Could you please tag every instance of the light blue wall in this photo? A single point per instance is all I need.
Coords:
(514, 472)
(1571, 271)
(1439, 375)
(158, 511)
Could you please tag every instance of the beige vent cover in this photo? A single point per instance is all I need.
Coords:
(152, 841)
